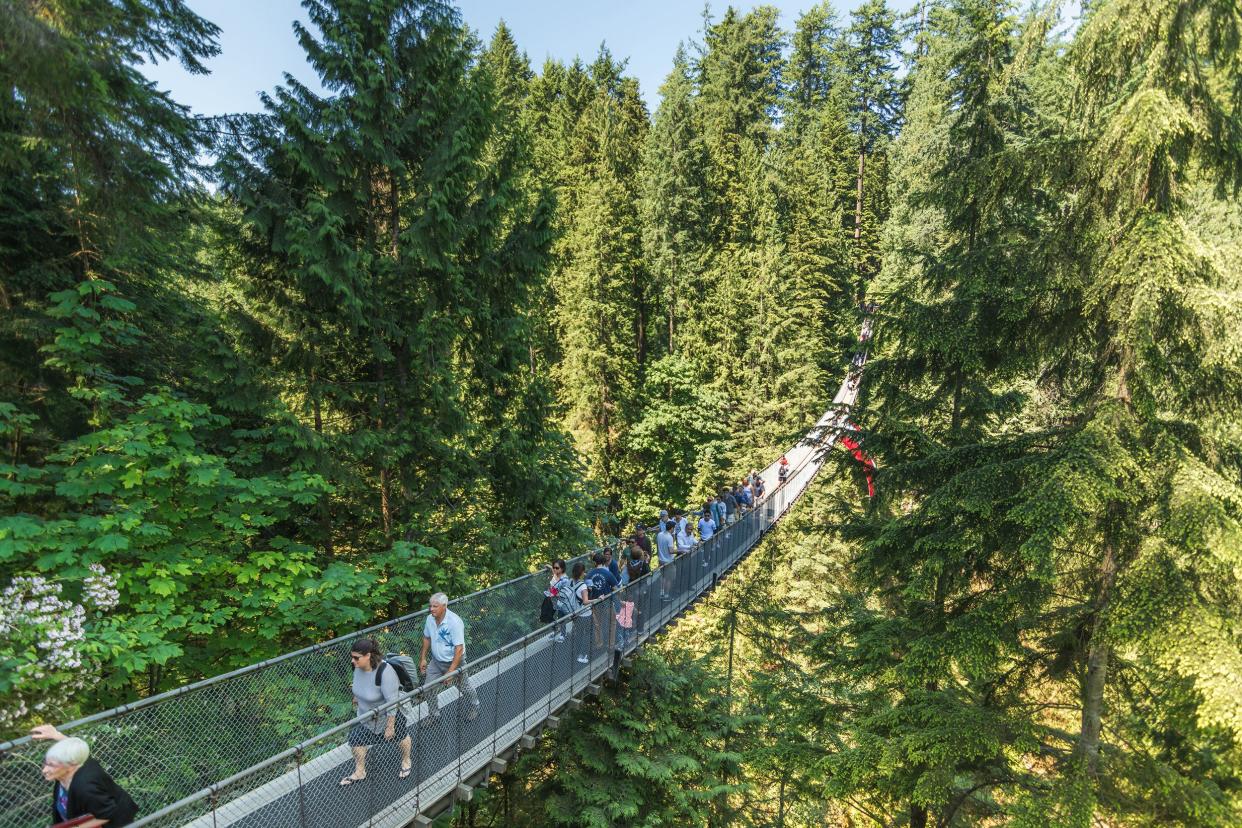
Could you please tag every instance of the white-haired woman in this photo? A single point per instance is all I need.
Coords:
(80, 785)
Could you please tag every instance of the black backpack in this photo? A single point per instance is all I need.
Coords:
(402, 664)
(547, 610)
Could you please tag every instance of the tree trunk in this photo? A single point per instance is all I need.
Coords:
(640, 324)
(385, 484)
(1098, 650)
(672, 297)
(1098, 654)
(918, 816)
(325, 517)
(858, 199)
(957, 401)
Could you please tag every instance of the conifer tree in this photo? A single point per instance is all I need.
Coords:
(739, 87)
(639, 757)
(118, 454)
(811, 160)
(602, 285)
(391, 216)
(1145, 483)
(675, 208)
(950, 595)
(872, 47)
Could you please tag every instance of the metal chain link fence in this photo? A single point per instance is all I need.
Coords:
(250, 747)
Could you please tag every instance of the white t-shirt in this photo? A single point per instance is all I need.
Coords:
(445, 636)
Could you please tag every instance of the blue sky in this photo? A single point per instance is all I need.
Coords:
(258, 45)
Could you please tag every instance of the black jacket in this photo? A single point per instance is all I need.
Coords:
(93, 792)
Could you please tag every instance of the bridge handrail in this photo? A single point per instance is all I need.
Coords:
(113, 732)
(237, 797)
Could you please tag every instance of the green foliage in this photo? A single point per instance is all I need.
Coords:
(680, 442)
(639, 755)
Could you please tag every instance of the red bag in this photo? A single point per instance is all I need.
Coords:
(70, 823)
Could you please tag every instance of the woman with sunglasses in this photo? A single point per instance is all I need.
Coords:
(370, 694)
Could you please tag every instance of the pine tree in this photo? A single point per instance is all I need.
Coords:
(872, 46)
(811, 159)
(114, 457)
(675, 208)
(399, 247)
(949, 594)
(602, 302)
(1145, 482)
(739, 89)
(640, 756)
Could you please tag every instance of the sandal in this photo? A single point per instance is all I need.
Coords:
(404, 772)
(349, 780)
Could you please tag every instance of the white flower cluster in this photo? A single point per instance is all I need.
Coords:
(100, 589)
(41, 641)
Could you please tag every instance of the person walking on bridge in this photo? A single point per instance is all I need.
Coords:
(372, 691)
(664, 556)
(602, 583)
(640, 538)
(444, 635)
(81, 788)
(719, 511)
(582, 596)
(730, 501)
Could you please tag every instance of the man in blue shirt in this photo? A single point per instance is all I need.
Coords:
(611, 563)
(600, 583)
(601, 580)
(444, 635)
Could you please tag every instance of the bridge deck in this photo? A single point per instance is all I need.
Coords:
(519, 686)
(270, 725)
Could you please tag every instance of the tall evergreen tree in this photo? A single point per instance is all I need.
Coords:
(113, 457)
(950, 594)
(739, 95)
(872, 47)
(603, 302)
(398, 248)
(812, 163)
(675, 207)
(1145, 483)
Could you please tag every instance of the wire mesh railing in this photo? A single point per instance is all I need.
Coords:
(254, 727)
(517, 686)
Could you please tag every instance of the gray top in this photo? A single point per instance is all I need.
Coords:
(370, 697)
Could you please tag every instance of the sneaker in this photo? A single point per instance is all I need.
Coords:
(558, 639)
(582, 659)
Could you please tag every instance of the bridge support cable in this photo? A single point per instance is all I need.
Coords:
(249, 748)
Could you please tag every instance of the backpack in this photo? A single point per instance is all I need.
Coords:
(546, 610)
(404, 667)
(566, 600)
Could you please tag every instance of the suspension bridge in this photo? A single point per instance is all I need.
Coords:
(265, 746)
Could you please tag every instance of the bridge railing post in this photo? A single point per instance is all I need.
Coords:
(298, 757)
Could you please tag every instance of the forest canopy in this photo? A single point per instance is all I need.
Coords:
(271, 377)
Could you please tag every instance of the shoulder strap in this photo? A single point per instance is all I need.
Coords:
(379, 672)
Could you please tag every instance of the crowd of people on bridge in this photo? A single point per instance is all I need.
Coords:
(85, 795)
